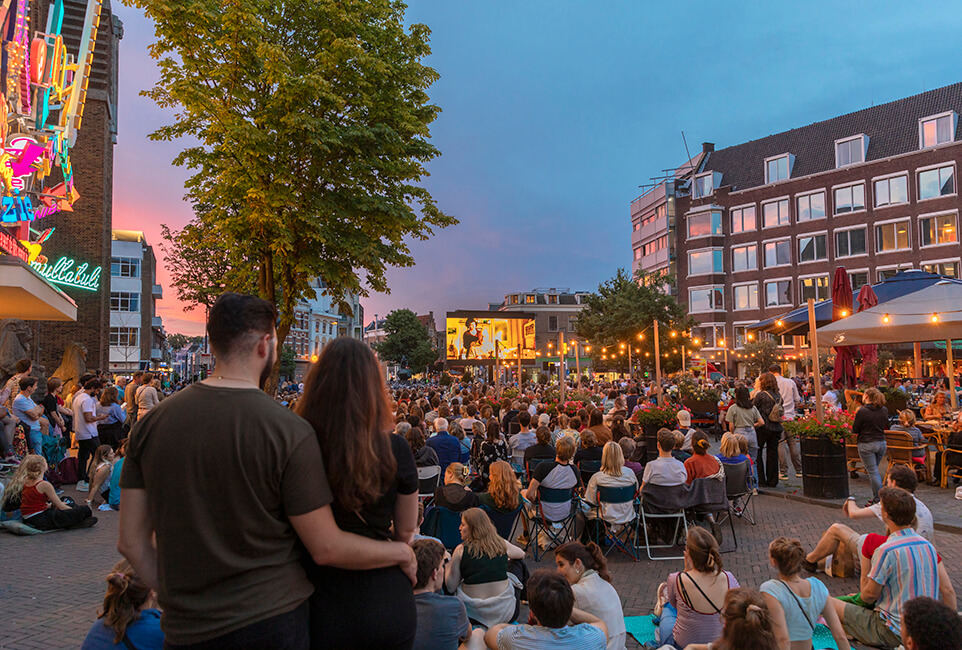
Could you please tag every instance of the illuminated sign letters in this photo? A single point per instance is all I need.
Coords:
(64, 273)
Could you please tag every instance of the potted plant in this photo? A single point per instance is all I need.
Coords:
(651, 418)
(895, 400)
(824, 470)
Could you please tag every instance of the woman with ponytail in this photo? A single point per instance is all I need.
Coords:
(130, 618)
(584, 567)
(796, 604)
(691, 601)
(748, 624)
(701, 464)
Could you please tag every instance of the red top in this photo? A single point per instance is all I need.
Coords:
(32, 501)
(700, 466)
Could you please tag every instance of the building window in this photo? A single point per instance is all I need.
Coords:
(850, 242)
(124, 267)
(745, 296)
(850, 151)
(125, 337)
(810, 206)
(850, 198)
(552, 323)
(741, 335)
(707, 335)
(937, 230)
(778, 168)
(948, 269)
(891, 191)
(704, 224)
(704, 262)
(636, 227)
(858, 279)
(124, 301)
(778, 293)
(553, 299)
(817, 288)
(811, 249)
(638, 253)
(572, 324)
(530, 300)
(892, 237)
(937, 129)
(778, 253)
(654, 246)
(885, 274)
(706, 299)
(703, 185)
(745, 258)
(743, 219)
(514, 300)
(775, 214)
(936, 182)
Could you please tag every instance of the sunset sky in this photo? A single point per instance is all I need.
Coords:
(554, 112)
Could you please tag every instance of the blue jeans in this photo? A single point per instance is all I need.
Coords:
(749, 433)
(35, 442)
(872, 454)
(666, 625)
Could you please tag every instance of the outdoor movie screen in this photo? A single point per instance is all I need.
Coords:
(471, 337)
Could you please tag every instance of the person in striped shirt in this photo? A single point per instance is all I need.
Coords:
(903, 568)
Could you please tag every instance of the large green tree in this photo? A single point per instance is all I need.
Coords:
(624, 307)
(406, 341)
(308, 129)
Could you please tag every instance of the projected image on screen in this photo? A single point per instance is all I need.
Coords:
(475, 338)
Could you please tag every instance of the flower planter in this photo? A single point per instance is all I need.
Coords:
(824, 470)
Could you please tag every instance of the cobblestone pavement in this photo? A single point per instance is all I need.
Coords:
(53, 584)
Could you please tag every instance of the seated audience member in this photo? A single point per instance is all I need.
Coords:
(504, 490)
(442, 620)
(692, 599)
(702, 464)
(478, 571)
(551, 600)
(574, 431)
(402, 426)
(613, 474)
(730, 453)
(478, 435)
(684, 425)
(40, 506)
(747, 623)
(928, 624)
(101, 468)
(952, 454)
(447, 447)
(31, 414)
(591, 449)
(520, 441)
(424, 456)
(454, 494)
(130, 618)
(559, 474)
(619, 429)
(938, 409)
(899, 476)
(680, 454)
(903, 568)
(665, 470)
(454, 428)
(542, 449)
(493, 449)
(796, 604)
(115, 472)
(907, 424)
(596, 424)
(585, 568)
(629, 450)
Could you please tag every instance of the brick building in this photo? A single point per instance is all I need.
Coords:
(762, 225)
(137, 337)
(555, 311)
(85, 233)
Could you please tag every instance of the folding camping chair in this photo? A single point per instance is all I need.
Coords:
(557, 530)
(708, 496)
(660, 502)
(620, 536)
(739, 489)
(443, 524)
(504, 522)
(588, 468)
(428, 480)
(532, 465)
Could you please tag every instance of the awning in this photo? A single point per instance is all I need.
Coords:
(26, 295)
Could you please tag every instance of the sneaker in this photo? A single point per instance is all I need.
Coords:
(870, 503)
(783, 476)
(522, 540)
(11, 459)
(83, 486)
(811, 567)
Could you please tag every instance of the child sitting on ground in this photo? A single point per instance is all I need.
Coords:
(130, 618)
(442, 620)
(35, 497)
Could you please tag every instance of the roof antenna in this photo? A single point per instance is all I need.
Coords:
(683, 139)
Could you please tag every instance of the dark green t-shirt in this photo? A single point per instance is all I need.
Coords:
(224, 469)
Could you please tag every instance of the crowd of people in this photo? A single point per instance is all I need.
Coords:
(301, 520)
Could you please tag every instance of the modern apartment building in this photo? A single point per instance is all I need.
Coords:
(765, 223)
(137, 337)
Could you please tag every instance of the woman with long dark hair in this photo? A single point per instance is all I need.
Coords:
(742, 417)
(769, 434)
(374, 481)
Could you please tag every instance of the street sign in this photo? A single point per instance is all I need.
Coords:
(206, 359)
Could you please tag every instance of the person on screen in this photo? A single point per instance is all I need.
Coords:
(472, 338)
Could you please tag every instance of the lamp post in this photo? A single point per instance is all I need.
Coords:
(725, 348)
(562, 357)
(661, 396)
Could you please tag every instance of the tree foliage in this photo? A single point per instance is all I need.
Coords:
(624, 307)
(406, 342)
(308, 129)
(760, 355)
(287, 361)
(178, 340)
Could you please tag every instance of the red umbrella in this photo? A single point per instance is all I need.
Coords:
(844, 374)
(866, 300)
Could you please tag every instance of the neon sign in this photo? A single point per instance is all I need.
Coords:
(64, 273)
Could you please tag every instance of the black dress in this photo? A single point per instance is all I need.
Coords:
(367, 609)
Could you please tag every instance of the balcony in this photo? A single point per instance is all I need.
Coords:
(157, 291)
(156, 354)
(157, 322)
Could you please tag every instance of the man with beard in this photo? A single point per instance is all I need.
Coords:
(227, 480)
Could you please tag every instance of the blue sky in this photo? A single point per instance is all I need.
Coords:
(553, 113)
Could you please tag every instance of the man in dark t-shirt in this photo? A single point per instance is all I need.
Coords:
(228, 480)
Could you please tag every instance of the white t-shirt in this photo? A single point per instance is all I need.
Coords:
(598, 598)
(923, 514)
(789, 393)
(83, 402)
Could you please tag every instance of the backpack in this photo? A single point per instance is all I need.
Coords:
(775, 415)
(69, 470)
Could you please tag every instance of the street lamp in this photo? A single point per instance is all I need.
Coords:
(721, 342)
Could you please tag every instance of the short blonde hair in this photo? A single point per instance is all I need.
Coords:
(612, 459)
(729, 446)
(565, 449)
(907, 418)
(454, 474)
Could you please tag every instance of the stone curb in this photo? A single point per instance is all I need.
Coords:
(955, 529)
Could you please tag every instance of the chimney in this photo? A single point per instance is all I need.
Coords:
(707, 147)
